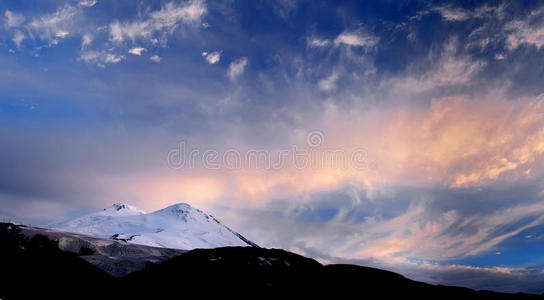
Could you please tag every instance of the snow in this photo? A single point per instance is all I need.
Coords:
(115, 257)
(179, 226)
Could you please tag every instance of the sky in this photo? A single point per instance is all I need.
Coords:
(404, 135)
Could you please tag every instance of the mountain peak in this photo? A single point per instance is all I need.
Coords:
(178, 226)
(119, 206)
(181, 205)
(182, 211)
(123, 209)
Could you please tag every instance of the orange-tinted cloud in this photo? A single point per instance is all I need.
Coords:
(455, 141)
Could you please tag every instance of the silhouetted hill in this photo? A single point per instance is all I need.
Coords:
(36, 267)
(278, 273)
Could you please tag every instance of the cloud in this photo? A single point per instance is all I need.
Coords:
(440, 129)
(346, 38)
(443, 144)
(420, 232)
(86, 41)
(212, 57)
(523, 33)
(155, 58)
(132, 31)
(356, 39)
(12, 19)
(171, 14)
(136, 51)
(449, 70)
(53, 27)
(18, 38)
(237, 68)
(329, 83)
(50, 27)
(113, 58)
(502, 279)
(449, 235)
(524, 29)
(62, 34)
(317, 42)
(499, 56)
(152, 29)
(284, 8)
(507, 145)
(395, 226)
(158, 25)
(100, 58)
(453, 14)
(87, 3)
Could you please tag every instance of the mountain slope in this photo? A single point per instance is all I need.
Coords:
(179, 226)
(117, 258)
(276, 274)
(34, 265)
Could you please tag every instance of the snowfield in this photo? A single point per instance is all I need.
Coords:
(179, 226)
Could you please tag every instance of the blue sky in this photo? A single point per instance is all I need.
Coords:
(434, 111)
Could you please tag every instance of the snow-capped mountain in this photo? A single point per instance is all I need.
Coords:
(179, 226)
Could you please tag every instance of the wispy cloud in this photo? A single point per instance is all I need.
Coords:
(453, 14)
(237, 68)
(158, 25)
(155, 58)
(503, 279)
(101, 59)
(449, 69)
(150, 30)
(417, 236)
(51, 27)
(356, 39)
(328, 83)
(317, 42)
(18, 37)
(212, 57)
(136, 51)
(87, 3)
(86, 41)
(12, 19)
(525, 33)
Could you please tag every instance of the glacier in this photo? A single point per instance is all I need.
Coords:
(179, 226)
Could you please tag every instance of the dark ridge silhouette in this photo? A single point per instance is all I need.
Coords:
(37, 268)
